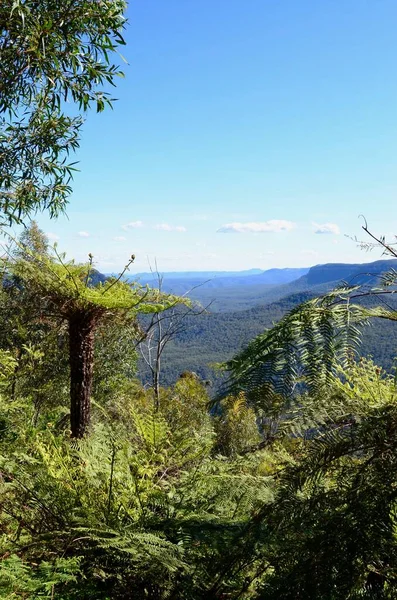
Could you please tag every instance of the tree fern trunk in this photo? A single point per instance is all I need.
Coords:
(81, 358)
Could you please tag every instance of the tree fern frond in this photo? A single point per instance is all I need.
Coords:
(304, 346)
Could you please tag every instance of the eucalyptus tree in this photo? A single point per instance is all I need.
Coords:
(65, 293)
(57, 59)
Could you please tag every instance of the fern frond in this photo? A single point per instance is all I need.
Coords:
(303, 348)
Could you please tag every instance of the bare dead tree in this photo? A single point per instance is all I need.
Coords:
(162, 329)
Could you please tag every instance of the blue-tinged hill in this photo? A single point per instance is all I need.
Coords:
(228, 290)
(355, 274)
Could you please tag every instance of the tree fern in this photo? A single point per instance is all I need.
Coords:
(66, 294)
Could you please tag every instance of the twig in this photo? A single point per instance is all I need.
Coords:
(127, 266)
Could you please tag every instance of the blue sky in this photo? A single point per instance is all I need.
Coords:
(247, 134)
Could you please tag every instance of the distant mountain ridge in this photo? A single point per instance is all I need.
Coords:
(241, 290)
(351, 273)
(198, 274)
(180, 283)
(323, 273)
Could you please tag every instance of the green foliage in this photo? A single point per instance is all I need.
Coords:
(65, 285)
(335, 506)
(115, 359)
(51, 53)
(159, 503)
(19, 579)
(303, 347)
(7, 366)
(139, 507)
(236, 427)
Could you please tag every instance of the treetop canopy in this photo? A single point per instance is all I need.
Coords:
(55, 62)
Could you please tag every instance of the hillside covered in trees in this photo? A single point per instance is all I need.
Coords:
(213, 336)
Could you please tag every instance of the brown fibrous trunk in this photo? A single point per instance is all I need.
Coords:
(81, 357)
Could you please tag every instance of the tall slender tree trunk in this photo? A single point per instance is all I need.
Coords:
(81, 358)
(156, 382)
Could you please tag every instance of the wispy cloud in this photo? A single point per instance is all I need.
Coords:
(83, 234)
(274, 225)
(166, 227)
(119, 238)
(326, 228)
(132, 225)
(53, 237)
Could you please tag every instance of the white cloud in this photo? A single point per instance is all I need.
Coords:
(53, 237)
(274, 225)
(119, 238)
(132, 225)
(326, 228)
(166, 227)
(83, 234)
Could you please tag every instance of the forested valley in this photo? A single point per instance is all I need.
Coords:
(230, 314)
(272, 477)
